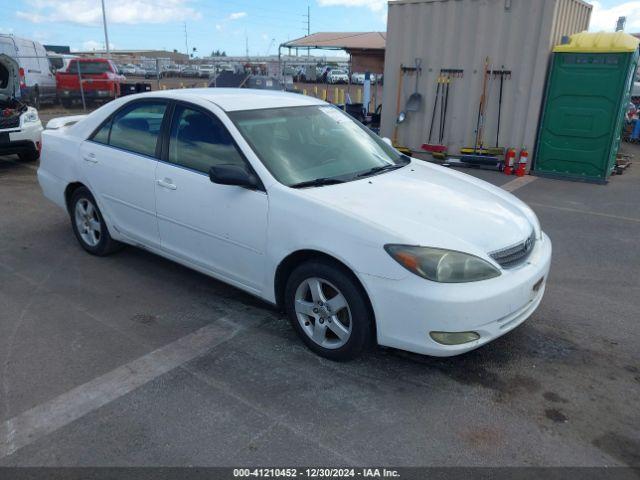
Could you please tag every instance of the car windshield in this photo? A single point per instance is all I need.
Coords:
(320, 143)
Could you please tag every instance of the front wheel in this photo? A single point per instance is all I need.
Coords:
(329, 310)
(35, 99)
(89, 225)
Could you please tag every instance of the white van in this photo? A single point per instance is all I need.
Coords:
(60, 61)
(37, 81)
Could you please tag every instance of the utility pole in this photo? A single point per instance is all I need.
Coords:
(308, 17)
(246, 40)
(106, 34)
(186, 41)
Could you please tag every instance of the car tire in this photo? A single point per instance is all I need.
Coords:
(66, 103)
(89, 226)
(29, 156)
(35, 98)
(329, 310)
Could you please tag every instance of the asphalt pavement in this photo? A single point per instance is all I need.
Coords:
(132, 360)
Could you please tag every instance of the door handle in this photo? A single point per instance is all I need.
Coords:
(166, 183)
(90, 157)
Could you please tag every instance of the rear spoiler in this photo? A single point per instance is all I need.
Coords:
(63, 122)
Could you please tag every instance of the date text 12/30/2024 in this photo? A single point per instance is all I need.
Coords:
(315, 473)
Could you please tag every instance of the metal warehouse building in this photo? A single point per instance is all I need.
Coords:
(516, 35)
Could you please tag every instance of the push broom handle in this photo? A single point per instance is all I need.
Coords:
(435, 108)
(398, 105)
(483, 100)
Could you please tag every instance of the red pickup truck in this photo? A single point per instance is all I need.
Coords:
(100, 81)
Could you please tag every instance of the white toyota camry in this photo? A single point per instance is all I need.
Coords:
(290, 199)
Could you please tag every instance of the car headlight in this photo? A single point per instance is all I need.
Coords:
(444, 266)
(30, 117)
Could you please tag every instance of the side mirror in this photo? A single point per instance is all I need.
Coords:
(233, 175)
(387, 141)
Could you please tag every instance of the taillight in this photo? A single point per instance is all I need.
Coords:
(21, 75)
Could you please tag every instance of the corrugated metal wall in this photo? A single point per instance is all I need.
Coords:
(460, 34)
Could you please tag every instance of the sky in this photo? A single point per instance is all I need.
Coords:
(228, 25)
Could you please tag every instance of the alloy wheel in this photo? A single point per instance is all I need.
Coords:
(87, 222)
(323, 313)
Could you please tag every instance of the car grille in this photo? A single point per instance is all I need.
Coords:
(515, 256)
(10, 122)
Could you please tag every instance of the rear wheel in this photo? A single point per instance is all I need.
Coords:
(29, 156)
(329, 310)
(89, 225)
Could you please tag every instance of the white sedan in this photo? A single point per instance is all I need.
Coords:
(290, 199)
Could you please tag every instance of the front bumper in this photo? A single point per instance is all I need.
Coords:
(407, 310)
(26, 139)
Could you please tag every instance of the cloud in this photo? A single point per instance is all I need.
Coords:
(95, 45)
(374, 5)
(605, 18)
(89, 12)
(237, 15)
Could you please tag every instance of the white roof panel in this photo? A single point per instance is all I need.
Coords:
(234, 99)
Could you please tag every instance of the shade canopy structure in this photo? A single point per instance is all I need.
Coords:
(347, 41)
(366, 49)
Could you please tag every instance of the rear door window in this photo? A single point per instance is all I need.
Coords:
(102, 134)
(136, 128)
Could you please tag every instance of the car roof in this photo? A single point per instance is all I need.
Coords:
(235, 99)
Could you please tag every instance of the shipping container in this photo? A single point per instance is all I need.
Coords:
(515, 35)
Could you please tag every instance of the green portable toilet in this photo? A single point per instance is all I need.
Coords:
(588, 90)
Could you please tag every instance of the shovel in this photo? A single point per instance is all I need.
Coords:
(415, 100)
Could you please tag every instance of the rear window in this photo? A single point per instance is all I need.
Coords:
(90, 68)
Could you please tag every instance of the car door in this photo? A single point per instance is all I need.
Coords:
(219, 228)
(119, 162)
(47, 80)
(29, 63)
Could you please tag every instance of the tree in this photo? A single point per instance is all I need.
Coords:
(218, 53)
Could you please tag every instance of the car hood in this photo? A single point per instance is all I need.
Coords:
(427, 205)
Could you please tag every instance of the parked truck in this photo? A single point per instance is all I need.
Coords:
(100, 81)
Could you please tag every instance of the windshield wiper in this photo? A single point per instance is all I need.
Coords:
(318, 182)
(381, 169)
